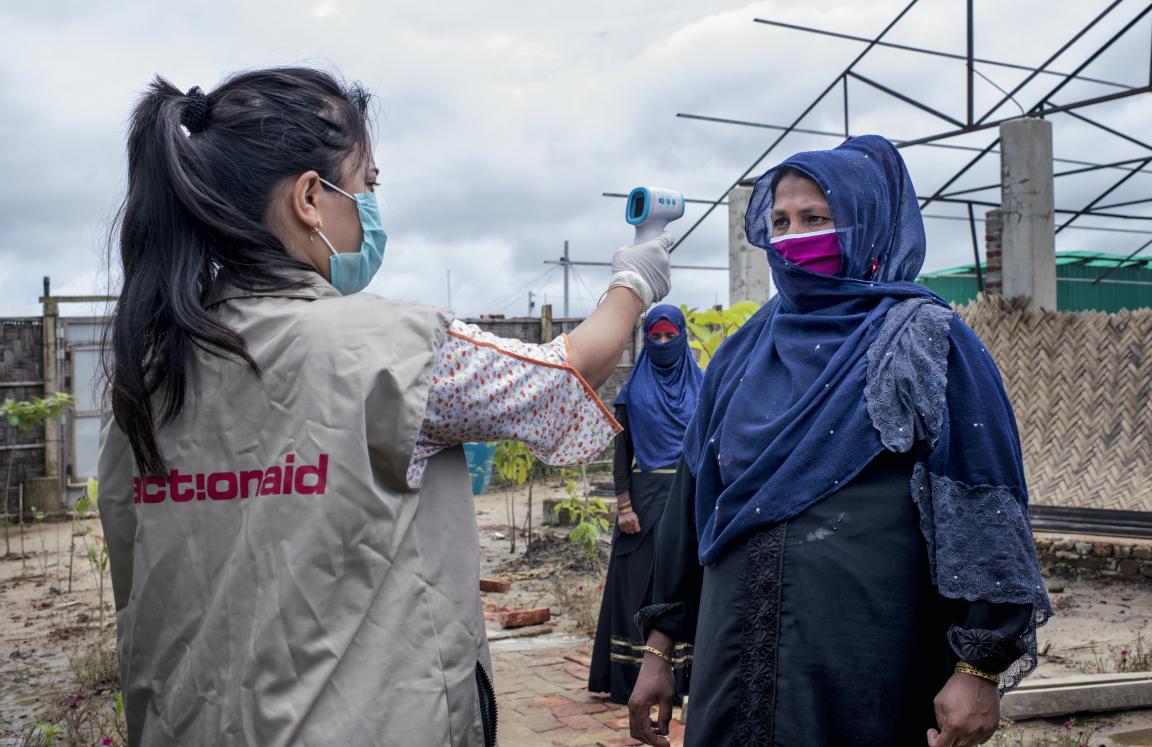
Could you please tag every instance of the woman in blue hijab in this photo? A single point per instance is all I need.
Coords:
(654, 406)
(847, 540)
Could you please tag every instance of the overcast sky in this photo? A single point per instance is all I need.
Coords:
(502, 123)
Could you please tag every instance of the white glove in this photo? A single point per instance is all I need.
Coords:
(644, 269)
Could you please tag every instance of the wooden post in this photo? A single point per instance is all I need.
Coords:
(546, 334)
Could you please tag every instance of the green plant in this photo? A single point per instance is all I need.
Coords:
(25, 415)
(710, 327)
(589, 515)
(98, 549)
(80, 510)
(43, 735)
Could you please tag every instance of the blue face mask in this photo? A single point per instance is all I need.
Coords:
(352, 271)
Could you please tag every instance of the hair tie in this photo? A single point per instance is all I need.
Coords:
(195, 114)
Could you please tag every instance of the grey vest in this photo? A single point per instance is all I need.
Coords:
(281, 585)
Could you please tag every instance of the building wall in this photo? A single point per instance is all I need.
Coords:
(21, 378)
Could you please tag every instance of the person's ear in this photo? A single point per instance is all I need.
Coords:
(304, 196)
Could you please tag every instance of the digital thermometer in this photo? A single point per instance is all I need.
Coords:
(651, 209)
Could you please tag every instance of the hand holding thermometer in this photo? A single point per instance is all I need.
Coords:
(651, 209)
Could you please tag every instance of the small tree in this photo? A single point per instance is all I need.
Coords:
(24, 416)
(514, 462)
(710, 327)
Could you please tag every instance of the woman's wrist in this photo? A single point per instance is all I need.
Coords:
(661, 642)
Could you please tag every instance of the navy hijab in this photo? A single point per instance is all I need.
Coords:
(783, 421)
(661, 394)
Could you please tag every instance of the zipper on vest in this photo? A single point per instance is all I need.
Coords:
(487, 697)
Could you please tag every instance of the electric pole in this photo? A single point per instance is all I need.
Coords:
(566, 269)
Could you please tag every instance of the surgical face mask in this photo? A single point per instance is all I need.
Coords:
(818, 251)
(352, 271)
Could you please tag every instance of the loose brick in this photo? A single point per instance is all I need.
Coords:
(542, 722)
(582, 723)
(617, 742)
(498, 585)
(573, 709)
(585, 661)
(523, 618)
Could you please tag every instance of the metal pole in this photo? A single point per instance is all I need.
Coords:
(1091, 58)
(846, 133)
(906, 99)
(1110, 130)
(971, 83)
(829, 133)
(567, 267)
(975, 246)
(934, 52)
(963, 171)
(796, 121)
(1106, 192)
(1050, 60)
(1116, 266)
(979, 126)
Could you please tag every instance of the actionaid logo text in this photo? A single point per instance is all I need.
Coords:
(302, 479)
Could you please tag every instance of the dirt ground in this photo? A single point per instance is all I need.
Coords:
(45, 628)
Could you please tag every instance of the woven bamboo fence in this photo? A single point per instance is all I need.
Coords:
(1081, 385)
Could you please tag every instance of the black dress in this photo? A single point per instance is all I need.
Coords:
(616, 659)
(822, 630)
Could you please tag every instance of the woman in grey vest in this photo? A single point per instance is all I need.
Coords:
(287, 507)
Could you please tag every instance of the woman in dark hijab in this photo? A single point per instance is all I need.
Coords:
(847, 541)
(654, 408)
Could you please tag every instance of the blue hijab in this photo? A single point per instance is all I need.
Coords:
(834, 370)
(661, 394)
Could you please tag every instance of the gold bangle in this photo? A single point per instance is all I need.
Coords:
(965, 668)
(623, 508)
(657, 652)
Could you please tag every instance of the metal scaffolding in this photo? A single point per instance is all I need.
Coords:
(1045, 105)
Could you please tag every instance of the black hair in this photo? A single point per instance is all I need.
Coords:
(785, 171)
(202, 172)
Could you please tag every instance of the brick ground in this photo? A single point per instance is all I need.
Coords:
(543, 702)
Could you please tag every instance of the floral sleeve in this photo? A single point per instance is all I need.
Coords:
(487, 388)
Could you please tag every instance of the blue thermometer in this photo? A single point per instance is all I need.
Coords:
(651, 209)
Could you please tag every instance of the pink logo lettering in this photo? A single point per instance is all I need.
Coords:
(291, 479)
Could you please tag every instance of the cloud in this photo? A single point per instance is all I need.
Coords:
(501, 124)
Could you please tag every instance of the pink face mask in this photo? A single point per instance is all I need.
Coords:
(818, 251)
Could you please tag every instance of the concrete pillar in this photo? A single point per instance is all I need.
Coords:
(1029, 238)
(51, 383)
(749, 278)
(993, 243)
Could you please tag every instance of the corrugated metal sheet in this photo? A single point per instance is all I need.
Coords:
(1127, 287)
